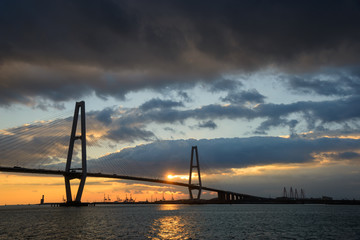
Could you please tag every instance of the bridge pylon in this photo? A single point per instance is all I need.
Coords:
(194, 166)
(79, 173)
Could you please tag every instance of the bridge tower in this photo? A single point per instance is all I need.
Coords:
(79, 173)
(194, 166)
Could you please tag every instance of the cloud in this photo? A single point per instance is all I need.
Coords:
(161, 157)
(275, 122)
(209, 124)
(224, 85)
(185, 96)
(129, 125)
(129, 134)
(132, 124)
(344, 82)
(104, 116)
(110, 48)
(348, 155)
(160, 104)
(315, 114)
(242, 97)
(169, 129)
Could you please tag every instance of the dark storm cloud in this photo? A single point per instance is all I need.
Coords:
(62, 50)
(161, 157)
(28, 84)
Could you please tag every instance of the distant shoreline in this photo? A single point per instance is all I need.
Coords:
(276, 201)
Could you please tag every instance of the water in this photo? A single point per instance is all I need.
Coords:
(181, 222)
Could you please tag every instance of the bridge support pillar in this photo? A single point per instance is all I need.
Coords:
(80, 173)
(221, 196)
(228, 197)
(196, 166)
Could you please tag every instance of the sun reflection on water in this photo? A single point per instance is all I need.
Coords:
(169, 207)
(169, 227)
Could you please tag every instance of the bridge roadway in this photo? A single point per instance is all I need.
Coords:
(222, 194)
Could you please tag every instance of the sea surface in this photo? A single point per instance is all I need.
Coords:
(181, 222)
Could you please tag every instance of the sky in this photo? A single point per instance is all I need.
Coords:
(267, 90)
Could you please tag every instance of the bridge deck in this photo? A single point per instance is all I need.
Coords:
(116, 176)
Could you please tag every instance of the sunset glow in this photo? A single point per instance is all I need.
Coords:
(183, 177)
(265, 106)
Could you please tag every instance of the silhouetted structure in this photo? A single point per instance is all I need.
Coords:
(194, 166)
(69, 172)
(81, 173)
(296, 194)
(285, 193)
(302, 194)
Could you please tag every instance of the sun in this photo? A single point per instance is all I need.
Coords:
(183, 177)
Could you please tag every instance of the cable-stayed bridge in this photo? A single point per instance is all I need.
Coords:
(49, 141)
